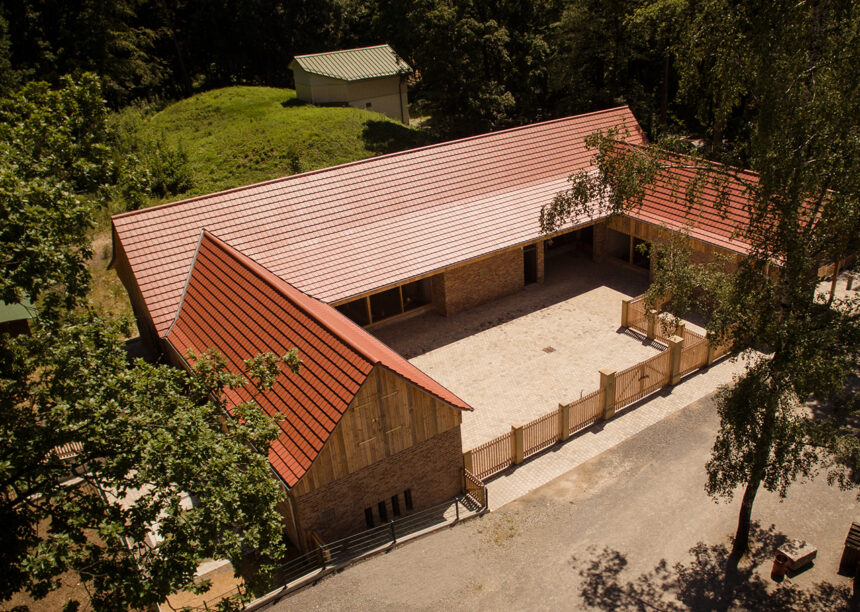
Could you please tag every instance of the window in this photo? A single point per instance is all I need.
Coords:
(407, 498)
(383, 511)
(395, 505)
(368, 517)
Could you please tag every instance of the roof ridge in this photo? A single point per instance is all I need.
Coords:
(187, 282)
(345, 50)
(367, 160)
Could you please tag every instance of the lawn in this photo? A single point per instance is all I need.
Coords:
(242, 135)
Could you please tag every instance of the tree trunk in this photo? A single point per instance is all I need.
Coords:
(742, 535)
(664, 95)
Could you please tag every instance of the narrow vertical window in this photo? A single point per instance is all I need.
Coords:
(368, 517)
(395, 505)
(383, 511)
(407, 498)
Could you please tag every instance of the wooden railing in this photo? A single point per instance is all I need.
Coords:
(540, 433)
(628, 386)
(474, 488)
(491, 457)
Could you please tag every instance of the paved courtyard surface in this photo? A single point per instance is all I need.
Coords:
(581, 541)
(517, 358)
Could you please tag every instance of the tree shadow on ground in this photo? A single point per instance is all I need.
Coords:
(703, 583)
(388, 137)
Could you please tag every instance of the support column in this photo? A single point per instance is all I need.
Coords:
(563, 421)
(625, 313)
(652, 324)
(517, 447)
(607, 396)
(676, 345)
(680, 329)
(598, 245)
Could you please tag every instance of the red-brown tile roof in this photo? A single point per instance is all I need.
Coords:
(713, 216)
(235, 305)
(351, 229)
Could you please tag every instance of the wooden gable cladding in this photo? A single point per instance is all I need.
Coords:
(387, 415)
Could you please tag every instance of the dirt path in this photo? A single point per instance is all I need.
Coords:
(644, 502)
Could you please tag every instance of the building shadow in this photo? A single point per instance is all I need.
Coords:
(703, 583)
(382, 137)
(565, 280)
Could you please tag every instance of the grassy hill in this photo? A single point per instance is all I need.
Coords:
(241, 135)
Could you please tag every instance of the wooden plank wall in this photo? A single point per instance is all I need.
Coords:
(387, 415)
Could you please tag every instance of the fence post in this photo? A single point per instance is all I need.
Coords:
(457, 507)
(680, 329)
(607, 397)
(468, 462)
(517, 444)
(676, 345)
(712, 350)
(563, 421)
(652, 324)
(393, 533)
(625, 313)
(850, 282)
(322, 557)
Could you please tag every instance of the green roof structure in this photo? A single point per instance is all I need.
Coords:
(354, 64)
(16, 312)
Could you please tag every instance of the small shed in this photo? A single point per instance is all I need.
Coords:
(15, 318)
(370, 78)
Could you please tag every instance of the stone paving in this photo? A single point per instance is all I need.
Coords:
(517, 358)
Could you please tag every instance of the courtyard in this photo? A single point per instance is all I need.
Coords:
(516, 358)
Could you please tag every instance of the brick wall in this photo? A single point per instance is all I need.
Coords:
(474, 283)
(432, 470)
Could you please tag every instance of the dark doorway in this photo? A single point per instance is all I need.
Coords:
(530, 271)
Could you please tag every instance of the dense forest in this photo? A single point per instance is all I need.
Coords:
(479, 64)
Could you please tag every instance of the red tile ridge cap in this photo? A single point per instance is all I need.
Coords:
(302, 301)
(364, 161)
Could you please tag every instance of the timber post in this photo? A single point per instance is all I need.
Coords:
(607, 395)
(712, 350)
(625, 313)
(676, 345)
(517, 447)
(652, 324)
(563, 421)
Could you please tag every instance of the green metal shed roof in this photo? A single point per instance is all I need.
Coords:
(354, 64)
(14, 312)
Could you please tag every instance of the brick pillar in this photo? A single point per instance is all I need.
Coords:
(676, 345)
(607, 397)
(598, 252)
(652, 324)
(625, 313)
(563, 421)
(517, 447)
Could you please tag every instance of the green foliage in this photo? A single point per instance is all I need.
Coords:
(150, 436)
(801, 139)
(55, 165)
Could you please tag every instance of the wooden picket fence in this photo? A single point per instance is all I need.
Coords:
(630, 386)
